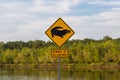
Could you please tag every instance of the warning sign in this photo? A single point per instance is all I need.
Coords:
(59, 53)
(59, 32)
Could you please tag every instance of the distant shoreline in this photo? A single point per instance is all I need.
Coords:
(63, 66)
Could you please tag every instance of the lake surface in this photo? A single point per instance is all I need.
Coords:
(52, 74)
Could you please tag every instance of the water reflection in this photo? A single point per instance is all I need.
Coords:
(51, 74)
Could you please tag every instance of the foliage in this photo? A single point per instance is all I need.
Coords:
(87, 51)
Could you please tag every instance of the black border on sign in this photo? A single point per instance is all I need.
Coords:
(68, 27)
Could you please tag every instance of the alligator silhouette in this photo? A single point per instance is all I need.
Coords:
(59, 31)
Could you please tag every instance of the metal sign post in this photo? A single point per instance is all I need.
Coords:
(59, 78)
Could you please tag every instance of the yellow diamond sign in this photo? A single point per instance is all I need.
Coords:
(59, 32)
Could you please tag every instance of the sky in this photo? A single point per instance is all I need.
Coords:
(29, 19)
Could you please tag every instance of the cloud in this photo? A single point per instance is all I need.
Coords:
(54, 6)
(21, 11)
(19, 18)
(105, 2)
(96, 26)
(29, 19)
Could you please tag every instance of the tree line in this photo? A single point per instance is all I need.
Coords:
(87, 51)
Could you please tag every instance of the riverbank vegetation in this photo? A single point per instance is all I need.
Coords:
(81, 52)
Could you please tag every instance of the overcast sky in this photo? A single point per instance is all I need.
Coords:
(29, 19)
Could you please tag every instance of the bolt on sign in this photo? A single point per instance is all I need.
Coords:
(59, 53)
(59, 32)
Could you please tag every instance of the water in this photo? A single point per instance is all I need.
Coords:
(51, 74)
